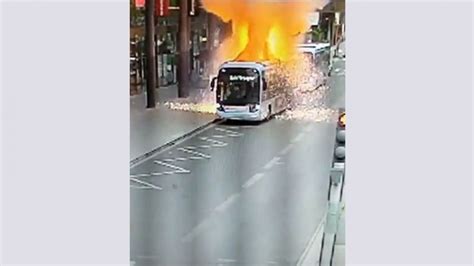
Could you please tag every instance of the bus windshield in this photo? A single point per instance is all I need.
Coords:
(308, 58)
(238, 86)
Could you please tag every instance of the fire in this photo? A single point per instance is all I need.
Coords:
(269, 30)
(262, 29)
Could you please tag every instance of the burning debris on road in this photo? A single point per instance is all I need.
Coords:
(204, 108)
(304, 104)
(315, 114)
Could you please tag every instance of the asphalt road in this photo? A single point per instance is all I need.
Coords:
(234, 194)
(243, 194)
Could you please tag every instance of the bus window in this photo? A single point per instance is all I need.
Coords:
(238, 86)
(264, 80)
(308, 57)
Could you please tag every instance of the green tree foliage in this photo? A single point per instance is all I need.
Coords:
(318, 34)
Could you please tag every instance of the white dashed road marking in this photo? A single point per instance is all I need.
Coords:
(174, 167)
(254, 179)
(271, 163)
(286, 149)
(226, 260)
(190, 147)
(230, 133)
(215, 143)
(250, 182)
(146, 183)
(197, 230)
(308, 128)
(224, 205)
(205, 146)
(298, 138)
(193, 152)
(139, 175)
(140, 187)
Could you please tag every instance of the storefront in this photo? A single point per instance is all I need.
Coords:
(166, 40)
(333, 20)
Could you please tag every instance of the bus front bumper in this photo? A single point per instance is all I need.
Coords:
(242, 116)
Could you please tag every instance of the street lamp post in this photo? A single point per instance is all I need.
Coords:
(184, 50)
(150, 52)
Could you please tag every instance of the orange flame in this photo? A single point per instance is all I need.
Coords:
(262, 29)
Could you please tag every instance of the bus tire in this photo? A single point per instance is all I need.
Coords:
(269, 112)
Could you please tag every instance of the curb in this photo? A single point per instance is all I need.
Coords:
(171, 143)
(316, 236)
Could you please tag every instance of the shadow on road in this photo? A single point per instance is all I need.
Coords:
(242, 123)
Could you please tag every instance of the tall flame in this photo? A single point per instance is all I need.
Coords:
(262, 29)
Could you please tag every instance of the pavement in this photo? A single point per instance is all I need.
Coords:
(340, 248)
(152, 128)
(337, 100)
(233, 194)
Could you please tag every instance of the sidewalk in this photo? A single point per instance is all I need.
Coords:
(152, 128)
(340, 248)
(312, 254)
(311, 258)
(339, 258)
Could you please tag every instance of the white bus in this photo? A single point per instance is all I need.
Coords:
(319, 54)
(247, 91)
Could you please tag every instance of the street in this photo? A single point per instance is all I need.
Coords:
(235, 194)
